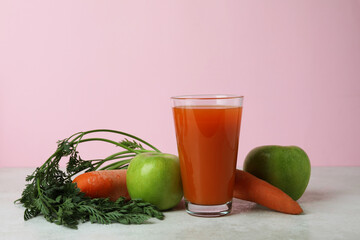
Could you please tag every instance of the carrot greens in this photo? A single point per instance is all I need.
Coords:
(51, 193)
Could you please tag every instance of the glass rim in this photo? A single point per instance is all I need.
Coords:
(207, 96)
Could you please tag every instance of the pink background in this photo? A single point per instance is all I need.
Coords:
(68, 66)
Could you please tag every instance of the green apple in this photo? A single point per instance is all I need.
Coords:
(155, 178)
(285, 167)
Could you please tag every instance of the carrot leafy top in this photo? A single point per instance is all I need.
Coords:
(51, 193)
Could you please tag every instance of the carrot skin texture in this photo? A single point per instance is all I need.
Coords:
(250, 188)
(103, 184)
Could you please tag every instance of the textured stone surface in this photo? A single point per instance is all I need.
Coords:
(331, 211)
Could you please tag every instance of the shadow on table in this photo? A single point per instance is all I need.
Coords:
(242, 206)
(180, 206)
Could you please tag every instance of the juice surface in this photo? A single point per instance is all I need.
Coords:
(207, 139)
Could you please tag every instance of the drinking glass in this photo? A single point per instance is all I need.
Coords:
(207, 132)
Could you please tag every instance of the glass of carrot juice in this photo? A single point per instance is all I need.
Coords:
(207, 131)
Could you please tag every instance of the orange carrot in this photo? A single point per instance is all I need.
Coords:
(250, 188)
(103, 184)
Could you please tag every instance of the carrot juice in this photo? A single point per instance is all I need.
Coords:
(207, 140)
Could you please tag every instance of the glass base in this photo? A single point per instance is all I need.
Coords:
(208, 210)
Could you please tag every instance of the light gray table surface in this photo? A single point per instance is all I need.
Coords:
(331, 207)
